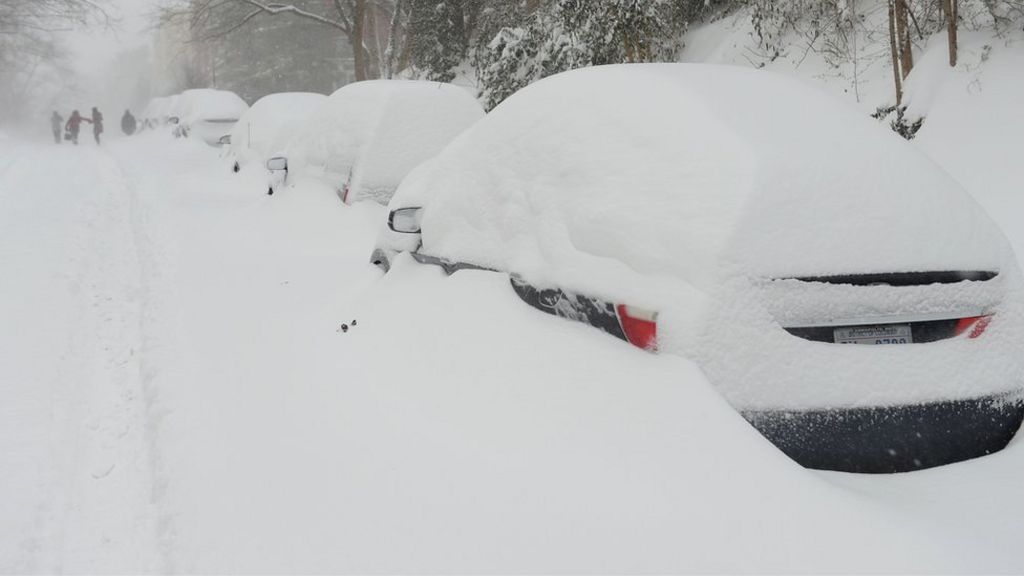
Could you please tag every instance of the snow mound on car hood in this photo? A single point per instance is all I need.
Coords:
(270, 120)
(369, 135)
(208, 104)
(605, 177)
(155, 108)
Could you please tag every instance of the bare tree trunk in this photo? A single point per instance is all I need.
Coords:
(392, 49)
(951, 21)
(356, 39)
(903, 39)
(894, 51)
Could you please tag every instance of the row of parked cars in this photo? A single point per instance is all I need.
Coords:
(207, 114)
(846, 295)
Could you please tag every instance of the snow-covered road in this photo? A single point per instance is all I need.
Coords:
(175, 396)
(75, 421)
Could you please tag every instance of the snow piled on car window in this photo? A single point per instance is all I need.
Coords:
(369, 135)
(675, 169)
(270, 120)
(672, 188)
(209, 104)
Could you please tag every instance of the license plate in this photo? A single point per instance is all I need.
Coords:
(882, 334)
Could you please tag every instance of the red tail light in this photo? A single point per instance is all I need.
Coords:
(344, 193)
(975, 325)
(640, 326)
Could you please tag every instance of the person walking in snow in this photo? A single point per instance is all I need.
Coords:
(73, 125)
(57, 124)
(128, 124)
(97, 124)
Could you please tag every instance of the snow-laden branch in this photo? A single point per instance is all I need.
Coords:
(276, 8)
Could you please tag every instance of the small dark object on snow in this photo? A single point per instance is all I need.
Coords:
(901, 124)
(344, 327)
(353, 322)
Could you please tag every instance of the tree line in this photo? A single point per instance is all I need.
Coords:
(32, 56)
(506, 44)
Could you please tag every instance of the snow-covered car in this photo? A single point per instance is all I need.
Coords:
(172, 110)
(369, 135)
(750, 223)
(266, 127)
(209, 114)
(151, 114)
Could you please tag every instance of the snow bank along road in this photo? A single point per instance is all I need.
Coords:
(176, 396)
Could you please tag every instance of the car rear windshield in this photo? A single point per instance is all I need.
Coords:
(904, 278)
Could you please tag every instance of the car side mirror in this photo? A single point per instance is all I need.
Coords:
(277, 163)
(405, 220)
(225, 140)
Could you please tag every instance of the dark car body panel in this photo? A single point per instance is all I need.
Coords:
(877, 439)
(892, 438)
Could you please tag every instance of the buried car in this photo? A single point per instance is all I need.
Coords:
(369, 135)
(839, 289)
(209, 114)
(266, 126)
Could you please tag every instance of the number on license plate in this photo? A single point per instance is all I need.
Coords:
(880, 334)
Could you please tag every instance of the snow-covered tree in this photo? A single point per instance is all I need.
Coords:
(437, 37)
(31, 53)
(231, 46)
(566, 34)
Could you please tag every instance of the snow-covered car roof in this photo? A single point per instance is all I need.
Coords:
(607, 176)
(371, 134)
(270, 122)
(173, 107)
(154, 108)
(210, 104)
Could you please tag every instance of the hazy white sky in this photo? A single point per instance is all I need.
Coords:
(94, 49)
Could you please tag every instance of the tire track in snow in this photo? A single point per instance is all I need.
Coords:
(105, 516)
(136, 410)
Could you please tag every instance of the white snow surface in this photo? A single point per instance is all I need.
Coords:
(270, 123)
(670, 187)
(156, 109)
(599, 177)
(202, 104)
(370, 134)
(176, 396)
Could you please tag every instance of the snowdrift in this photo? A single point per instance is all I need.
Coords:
(688, 189)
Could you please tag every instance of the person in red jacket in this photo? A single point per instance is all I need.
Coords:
(73, 125)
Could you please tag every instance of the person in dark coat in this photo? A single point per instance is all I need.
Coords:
(97, 124)
(128, 123)
(57, 124)
(73, 125)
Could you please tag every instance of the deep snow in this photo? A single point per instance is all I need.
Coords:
(176, 395)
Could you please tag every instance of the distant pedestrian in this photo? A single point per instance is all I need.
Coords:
(73, 125)
(97, 124)
(128, 123)
(57, 124)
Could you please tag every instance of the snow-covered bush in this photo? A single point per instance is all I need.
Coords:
(437, 38)
(898, 121)
(568, 34)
